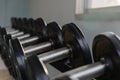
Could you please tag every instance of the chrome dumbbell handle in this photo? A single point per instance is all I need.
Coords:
(29, 40)
(17, 34)
(37, 48)
(86, 72)
(54, 55)
(23, 36)
(12, 32)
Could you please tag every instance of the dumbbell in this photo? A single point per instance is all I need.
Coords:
(14, 34)
(27, 41)
(106, 52)
(19, 35)
(10, 30)
(76, 51)
(20, 54)
(39, 32)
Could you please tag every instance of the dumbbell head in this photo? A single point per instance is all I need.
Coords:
(5, 49)
(55, 36)
(108, 45)
(6, 40)
(13, 22)
(30, 23)
(79, 54)
(20, 24)
(7, 55)
(37, 26)
(3, 32)
(40, 27)
(25, 24)
(74, 38)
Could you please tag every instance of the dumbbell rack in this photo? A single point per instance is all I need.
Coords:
(34, 50)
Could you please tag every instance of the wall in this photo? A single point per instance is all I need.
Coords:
(91, 23)
(9, 8)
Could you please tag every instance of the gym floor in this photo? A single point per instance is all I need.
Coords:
(4, 74)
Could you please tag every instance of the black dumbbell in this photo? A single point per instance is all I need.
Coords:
(14, 33)
(3, 48)
(19, 35)
(19, 54)
(76, 51)
(39, 32)
(11, 30)
(16, 22)
(35, 32)
(106, 52)
(25, 41)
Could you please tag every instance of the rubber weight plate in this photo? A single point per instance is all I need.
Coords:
(108, 45)
(75, 38)
(55, 34)
(18, 59)
(40, 27)
(35, 69)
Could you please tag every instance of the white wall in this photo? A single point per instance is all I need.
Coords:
(9, 8)
(2, 11)
(62, 11)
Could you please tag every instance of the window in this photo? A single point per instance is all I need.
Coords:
(81, 5)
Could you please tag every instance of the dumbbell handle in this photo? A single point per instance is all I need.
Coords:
(23, 36)
(86, 72)
(39, 48)
(54, 55)
(17, 34)
(29, 40)
(12, 32)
